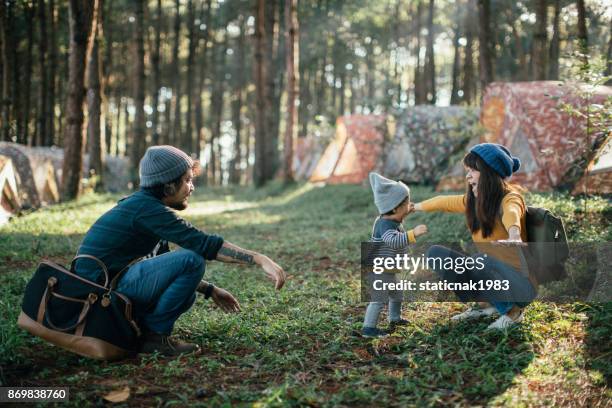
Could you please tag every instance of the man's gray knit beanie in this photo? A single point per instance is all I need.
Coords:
(388, 194)
(162, 164)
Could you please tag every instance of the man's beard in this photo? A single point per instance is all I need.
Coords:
(180, 206)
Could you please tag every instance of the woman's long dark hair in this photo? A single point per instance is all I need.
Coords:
(482, 211)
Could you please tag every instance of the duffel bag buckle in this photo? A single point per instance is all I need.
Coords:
(91, 298)
(52, 281)
(106, 301)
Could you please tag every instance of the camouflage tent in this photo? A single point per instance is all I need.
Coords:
(354, 152)
(454, 179)
(598, 175)
(308, 152)
(9, 197)
(526, 117)
(426, 137)
(35, 175)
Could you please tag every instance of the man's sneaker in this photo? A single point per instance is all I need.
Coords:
(373, 332)
(504, 321)
(473, 313)
(393, 325)
(154, 342)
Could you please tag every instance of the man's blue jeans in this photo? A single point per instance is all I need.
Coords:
(521, 292)
(162, 288)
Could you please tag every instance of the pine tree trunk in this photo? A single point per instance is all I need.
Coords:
(52, 70)
(292, 53)
(140, 130)
(272, 110)
(43, 111)
(456, 73)
(24, 138)
(176, 87)
(235, 165)
(156, 68)
(430, 70)
(418, 82)
(82, 16)
(553, 52)
(485, 36)
(609, 57)
(7, 42)
(583, 36)
(94, 102)
(187, 143)
(216, 110)
(469, 81)
(540, 40)
(259, 175)
(201, 79)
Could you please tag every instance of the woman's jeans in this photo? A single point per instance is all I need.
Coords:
(162, 288)
(520, 290)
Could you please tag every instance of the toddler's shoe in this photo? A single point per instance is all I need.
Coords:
(473, 313)
(373, 332)
(398, 323)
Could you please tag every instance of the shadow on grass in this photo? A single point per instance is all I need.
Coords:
(598, 335)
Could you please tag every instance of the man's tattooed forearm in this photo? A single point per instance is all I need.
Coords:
(236, 255)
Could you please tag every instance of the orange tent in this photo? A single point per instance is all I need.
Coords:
(354, 152)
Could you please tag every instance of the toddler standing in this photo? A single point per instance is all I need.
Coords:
(392, 199)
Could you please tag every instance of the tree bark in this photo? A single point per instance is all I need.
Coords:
(7, 43)
(609, 57)
(259, 174)
(156, 68)
(583, 36)
(201, 79)
(82, 16)
(430, 66)
(235, 165)
(140, 131)
(553, 52)
(456, 72)
(469, 80)
(187, 143)
(419, 90)
(539, 40)
(94, 103)
(292, 54)
(176, 87)
(216, 110)
(52, 70)
(24, 138)
(485, 35)
(43, 111)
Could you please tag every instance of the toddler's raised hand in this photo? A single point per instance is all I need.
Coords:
(420, 230)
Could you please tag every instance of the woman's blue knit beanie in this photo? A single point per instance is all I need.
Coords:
(498, 158)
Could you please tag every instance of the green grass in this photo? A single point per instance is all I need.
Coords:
(297, 347)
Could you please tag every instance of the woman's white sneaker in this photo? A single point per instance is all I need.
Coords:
(473, 313)
(503, 322)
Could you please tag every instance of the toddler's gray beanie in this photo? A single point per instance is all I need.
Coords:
(388, 194)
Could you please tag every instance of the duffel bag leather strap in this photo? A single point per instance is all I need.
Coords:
(115, 281)
(93, 258)
(43, 312)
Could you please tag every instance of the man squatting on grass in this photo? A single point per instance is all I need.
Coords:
(163, 287)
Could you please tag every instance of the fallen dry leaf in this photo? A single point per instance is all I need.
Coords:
(118, 395)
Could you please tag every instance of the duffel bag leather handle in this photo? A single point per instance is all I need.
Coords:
(43, 312)
(93, 258)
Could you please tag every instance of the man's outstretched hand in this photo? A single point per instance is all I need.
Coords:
(225, 300)
(273, 271)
